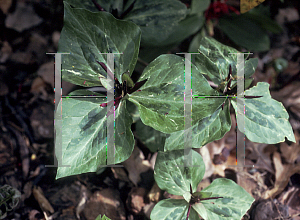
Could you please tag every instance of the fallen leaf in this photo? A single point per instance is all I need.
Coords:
(106, 201)
(290, 98)
(135, 200)
(282, 176)
(154, 193)
(119, 173)
(291, 153)
(5, 5)
(253, 184)
(270, 209)
(83, 200)
(262, 154)
(5, 51)
(136, 164)
(23, 18)
(288, 14)
(247, 5)
(41, 199)
(291, 198)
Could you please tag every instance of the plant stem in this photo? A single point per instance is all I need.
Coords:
(142, 62)
(98, 6)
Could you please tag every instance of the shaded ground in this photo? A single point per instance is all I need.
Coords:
(29, 30)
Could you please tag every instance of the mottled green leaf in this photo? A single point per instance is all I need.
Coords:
(234, 204)
(95, 97)
(171, 175)
(209, 129)
(172, 209)
(215, 58)
(266, 120)
(199, 207)
(86, 35)
(249, 70)
(161, 101)
(187, 196)
(83, 128)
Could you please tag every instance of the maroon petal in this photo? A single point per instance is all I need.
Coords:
(137, 86)
(107, 70)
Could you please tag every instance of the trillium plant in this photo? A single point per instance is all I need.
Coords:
(156, 99)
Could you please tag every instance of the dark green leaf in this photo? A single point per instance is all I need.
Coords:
(133, 111)
(260, 15)
(244, 32)
(195, 43)
(149, 53)
(152, 138)
(185, 28)
(198, 7)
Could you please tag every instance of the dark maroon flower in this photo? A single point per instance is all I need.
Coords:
(219, 8)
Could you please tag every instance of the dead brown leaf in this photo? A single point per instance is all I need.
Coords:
(106, 201)
(135, 200)
(154, 193)
(291, 153)
(282, 176)
(41, 199)
(119, 173)
(5, 5)
(24, 17)
(290, 97)
(291, 198)
(262, 154)
(135, 165)
(253, 184)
